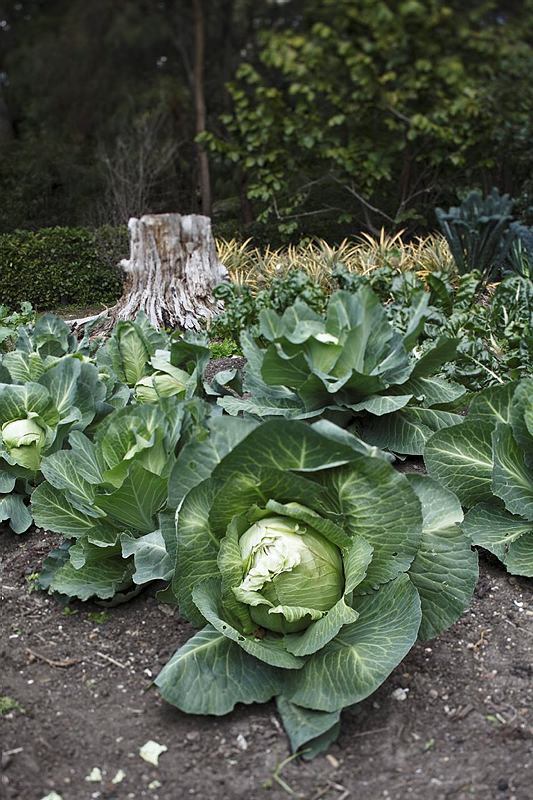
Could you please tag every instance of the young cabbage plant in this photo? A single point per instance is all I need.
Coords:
(105, 496)
(130, 348)
(488, 462)
(35, 419)
(190, 353)
(155, 365)
(311, 567)
(50, 336)
(40, 346)
(351, 363)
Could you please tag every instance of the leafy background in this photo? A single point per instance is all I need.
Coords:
(322, 116)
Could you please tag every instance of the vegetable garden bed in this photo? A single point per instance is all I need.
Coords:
(280, 501)
(83, 678)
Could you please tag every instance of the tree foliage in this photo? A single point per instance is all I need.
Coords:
(337, 114)
(371, 111)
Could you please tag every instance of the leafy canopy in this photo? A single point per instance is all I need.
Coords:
(362, 111)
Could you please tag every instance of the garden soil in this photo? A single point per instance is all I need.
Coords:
(454, 720)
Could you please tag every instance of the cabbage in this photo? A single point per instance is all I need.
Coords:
(24, 440)
(165, 381)
(311, 567)
(37, 415)
(105, 495)
(130, 347)
(289, 570)
(487, 460)
(351, 363)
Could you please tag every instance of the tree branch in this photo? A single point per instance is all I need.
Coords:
(365, 203)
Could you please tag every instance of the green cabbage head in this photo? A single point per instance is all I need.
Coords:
(289, 569)
(24, 440)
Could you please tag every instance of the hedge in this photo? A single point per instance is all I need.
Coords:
(55, 267)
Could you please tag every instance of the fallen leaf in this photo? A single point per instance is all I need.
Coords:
(94, 776)
(151, 751)
(399, 694)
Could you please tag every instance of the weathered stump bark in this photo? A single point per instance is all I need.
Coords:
(171, 273)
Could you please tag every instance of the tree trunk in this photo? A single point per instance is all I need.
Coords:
(171, 273)
(6, 126)
(204, 179)
(247, 214)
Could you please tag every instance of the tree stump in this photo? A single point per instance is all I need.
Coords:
(171, 273)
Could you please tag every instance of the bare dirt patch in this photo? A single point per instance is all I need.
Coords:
(82, 682)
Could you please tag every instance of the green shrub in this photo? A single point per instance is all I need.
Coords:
(242, 305)
(225, 348)
(61, 266)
